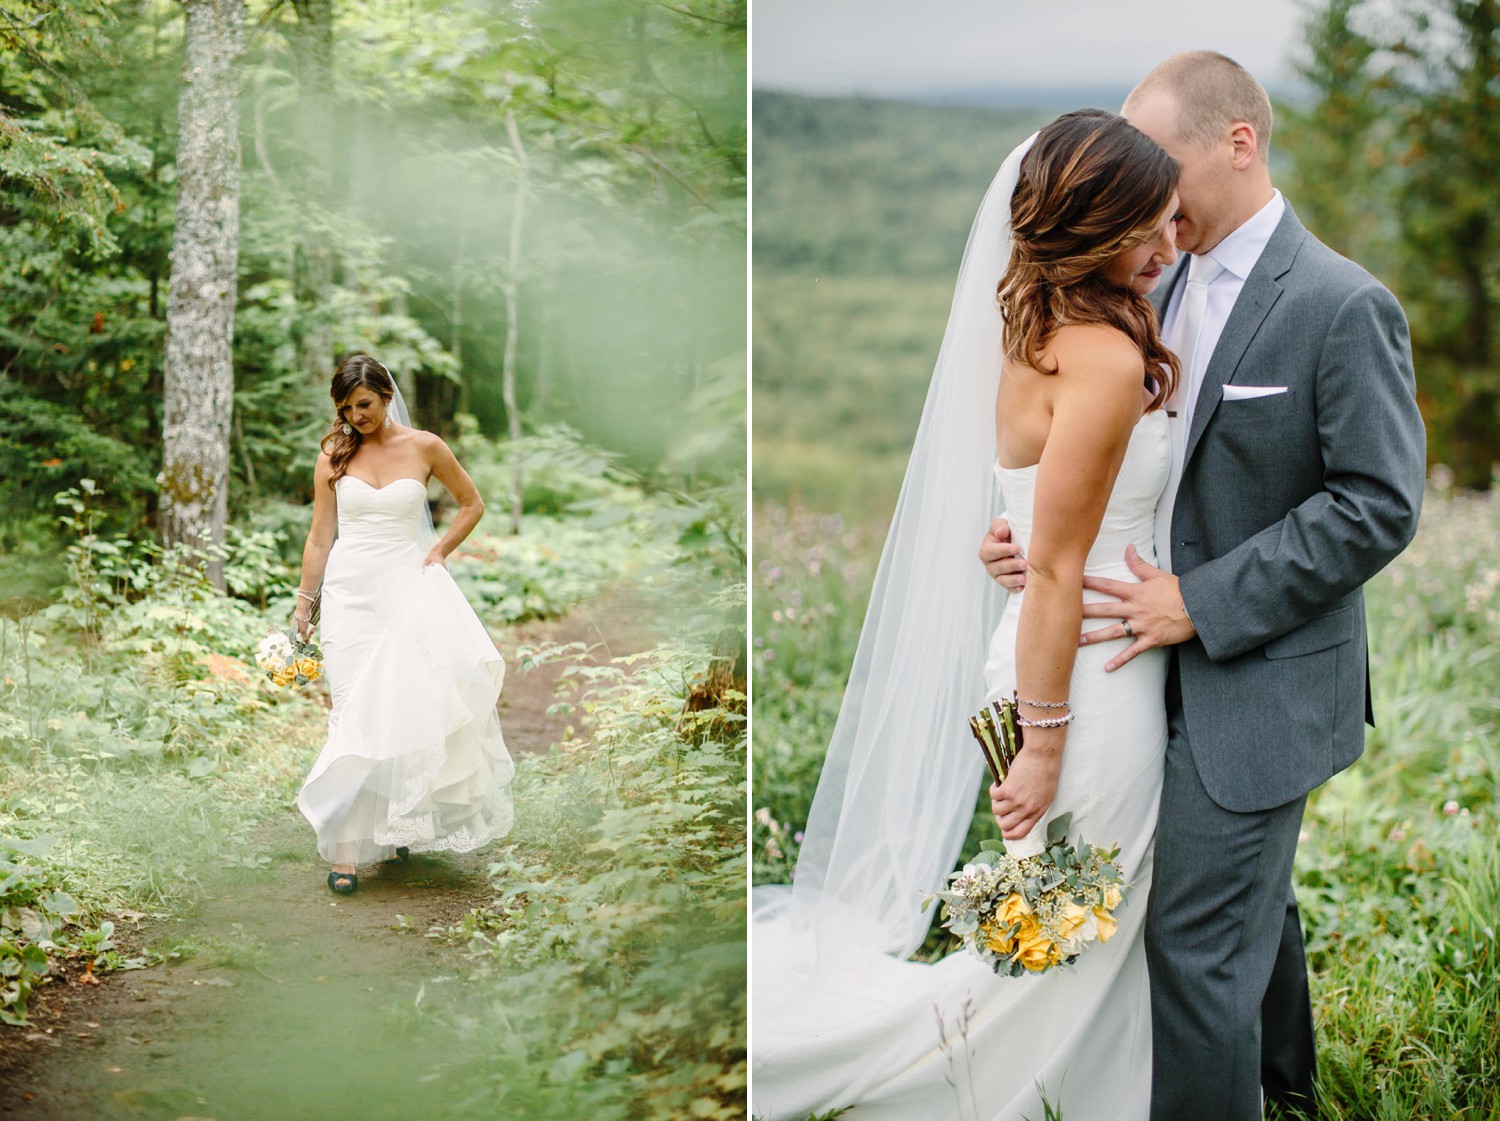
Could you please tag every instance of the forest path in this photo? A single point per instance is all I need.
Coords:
(288, 1003)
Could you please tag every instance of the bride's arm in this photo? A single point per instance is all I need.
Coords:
(1096, 402)
(450, 473)
(319, 542)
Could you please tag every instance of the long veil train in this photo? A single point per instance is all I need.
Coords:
(883, 826)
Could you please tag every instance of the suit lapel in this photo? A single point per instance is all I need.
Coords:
(1261, 291)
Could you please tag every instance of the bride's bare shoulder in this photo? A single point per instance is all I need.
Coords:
(1096, 350)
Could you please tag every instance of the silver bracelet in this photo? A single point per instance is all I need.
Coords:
(306, 596)
(1043, 704)
(1056, 722)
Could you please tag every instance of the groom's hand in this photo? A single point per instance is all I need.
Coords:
(1153, 609)
(1001, 559)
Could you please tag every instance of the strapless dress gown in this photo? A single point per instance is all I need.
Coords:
(415, 756)
(907, 1041)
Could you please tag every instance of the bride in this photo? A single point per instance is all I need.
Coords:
(1056, 398)
(414, 760)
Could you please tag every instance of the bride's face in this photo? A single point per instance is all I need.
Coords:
(363, 410)
(1140, 267)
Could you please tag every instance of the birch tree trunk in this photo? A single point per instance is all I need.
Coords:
(198, 390)
(512, 325)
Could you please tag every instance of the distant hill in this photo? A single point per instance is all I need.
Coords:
(860, 187)
(861, 211)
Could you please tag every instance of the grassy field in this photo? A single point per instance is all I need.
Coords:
(1398, 872)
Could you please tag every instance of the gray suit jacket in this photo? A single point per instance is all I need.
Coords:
(1288, 504)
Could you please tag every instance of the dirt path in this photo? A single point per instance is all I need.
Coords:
(289, 1003)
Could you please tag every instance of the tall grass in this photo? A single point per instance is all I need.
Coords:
(1398, 872)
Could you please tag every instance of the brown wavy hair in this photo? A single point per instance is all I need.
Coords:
(358, 371)
(1092, 187)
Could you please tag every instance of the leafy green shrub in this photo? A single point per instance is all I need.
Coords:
(42, 445)
(553, 564)
(33, 913)
(615, 948)
(558, 469)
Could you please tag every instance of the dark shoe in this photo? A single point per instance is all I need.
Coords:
(343, 883)
(403, 853)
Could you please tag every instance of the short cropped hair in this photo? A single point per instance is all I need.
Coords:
(1212, 92)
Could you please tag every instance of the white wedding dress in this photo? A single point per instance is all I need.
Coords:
(905, 1041)
(414, 756)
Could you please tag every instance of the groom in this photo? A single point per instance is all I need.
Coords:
(1298, 466)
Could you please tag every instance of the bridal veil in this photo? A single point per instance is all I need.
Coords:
(902, 773)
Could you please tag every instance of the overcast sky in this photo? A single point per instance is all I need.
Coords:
(901, 47)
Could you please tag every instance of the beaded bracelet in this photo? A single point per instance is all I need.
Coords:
(1057, 722)
(306, 596)
(1043, 704)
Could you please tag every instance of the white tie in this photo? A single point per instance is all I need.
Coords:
(1202, 271)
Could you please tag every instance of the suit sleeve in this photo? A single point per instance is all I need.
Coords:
(1374, 448)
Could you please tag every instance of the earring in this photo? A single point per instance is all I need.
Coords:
(346, 429)
(387, 420)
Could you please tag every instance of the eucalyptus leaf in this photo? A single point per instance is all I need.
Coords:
(1057, 828)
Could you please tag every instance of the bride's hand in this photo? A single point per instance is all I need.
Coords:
(304, 627)
(435, 557)
(1022, 799)
(1001, 559)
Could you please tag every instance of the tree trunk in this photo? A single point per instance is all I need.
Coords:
(198, 376)
(512, 296)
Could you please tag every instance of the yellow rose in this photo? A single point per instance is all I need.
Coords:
(1034, 950)
(1014, 909)
(1112, 897)
(1107, 924)
(1073, 918)
(996, 941)
(309, 668)
(284, 676)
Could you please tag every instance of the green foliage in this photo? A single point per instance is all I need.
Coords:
(33, 913)
(41, 445)
(1345, 126)
(615, 950)
(55, 144)
(1392, 159)
(612, 957)
(812, 576)
(631, 277)
(133, 739)
(1397, 874)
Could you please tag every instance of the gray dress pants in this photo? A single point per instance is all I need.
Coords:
(1230, 1009)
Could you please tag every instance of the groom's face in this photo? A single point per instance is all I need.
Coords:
(1204, 186)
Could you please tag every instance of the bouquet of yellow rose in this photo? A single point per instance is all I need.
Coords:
(1029, 914)
(286, 661)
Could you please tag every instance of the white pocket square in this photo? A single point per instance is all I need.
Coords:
(1246, 392)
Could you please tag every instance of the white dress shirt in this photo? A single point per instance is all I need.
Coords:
(1238, 253)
